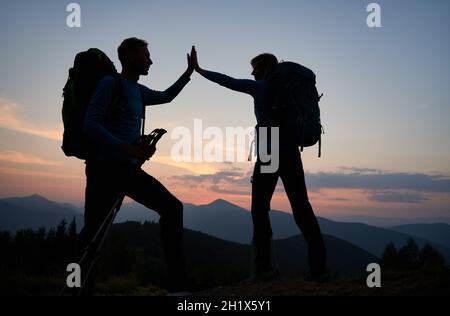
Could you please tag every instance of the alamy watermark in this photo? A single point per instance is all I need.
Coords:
(374, 17)
(74, 17)
(74, 277)
(374, 278)
(212, 144)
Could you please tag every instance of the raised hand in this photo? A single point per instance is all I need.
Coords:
(194, 59)
(190, 68)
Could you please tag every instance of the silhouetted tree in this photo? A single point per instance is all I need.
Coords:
(408, 255)
(61, 230)
(390, 257)
(430, 258)
(72, 231)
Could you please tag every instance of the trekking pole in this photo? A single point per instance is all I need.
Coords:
(111, 216)
(151, 140)
(88, 250)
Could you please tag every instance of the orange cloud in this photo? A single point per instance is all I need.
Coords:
(189, 167)
(34, 173)
(21, 158)
(10, 118)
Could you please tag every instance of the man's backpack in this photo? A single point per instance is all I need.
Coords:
(89, 67)
(295, 103)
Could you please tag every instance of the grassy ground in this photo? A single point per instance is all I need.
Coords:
(392, 284)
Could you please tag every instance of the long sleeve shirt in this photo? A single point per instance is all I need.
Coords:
(256, 88)
(124, 123)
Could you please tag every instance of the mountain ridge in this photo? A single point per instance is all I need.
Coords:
(218, 218)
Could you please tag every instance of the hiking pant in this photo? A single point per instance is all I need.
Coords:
(106, 181)
(263, 185)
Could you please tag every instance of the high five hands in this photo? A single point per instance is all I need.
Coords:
(192, 61)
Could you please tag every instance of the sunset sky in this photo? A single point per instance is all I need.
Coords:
(385, 110)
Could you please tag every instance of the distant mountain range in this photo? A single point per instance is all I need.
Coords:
(439, 233)
(231, 222)
(227, 221)
(34, 212)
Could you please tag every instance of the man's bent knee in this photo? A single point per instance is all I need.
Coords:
(173, 209)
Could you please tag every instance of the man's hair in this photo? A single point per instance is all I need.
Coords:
(266, 60)
(128, 46)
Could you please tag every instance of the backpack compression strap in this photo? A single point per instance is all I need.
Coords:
(143, 111)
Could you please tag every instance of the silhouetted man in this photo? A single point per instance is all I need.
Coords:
(114, 170)
(263, 184)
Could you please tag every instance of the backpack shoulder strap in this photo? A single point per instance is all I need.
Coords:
(118, 92)
(143, 110)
